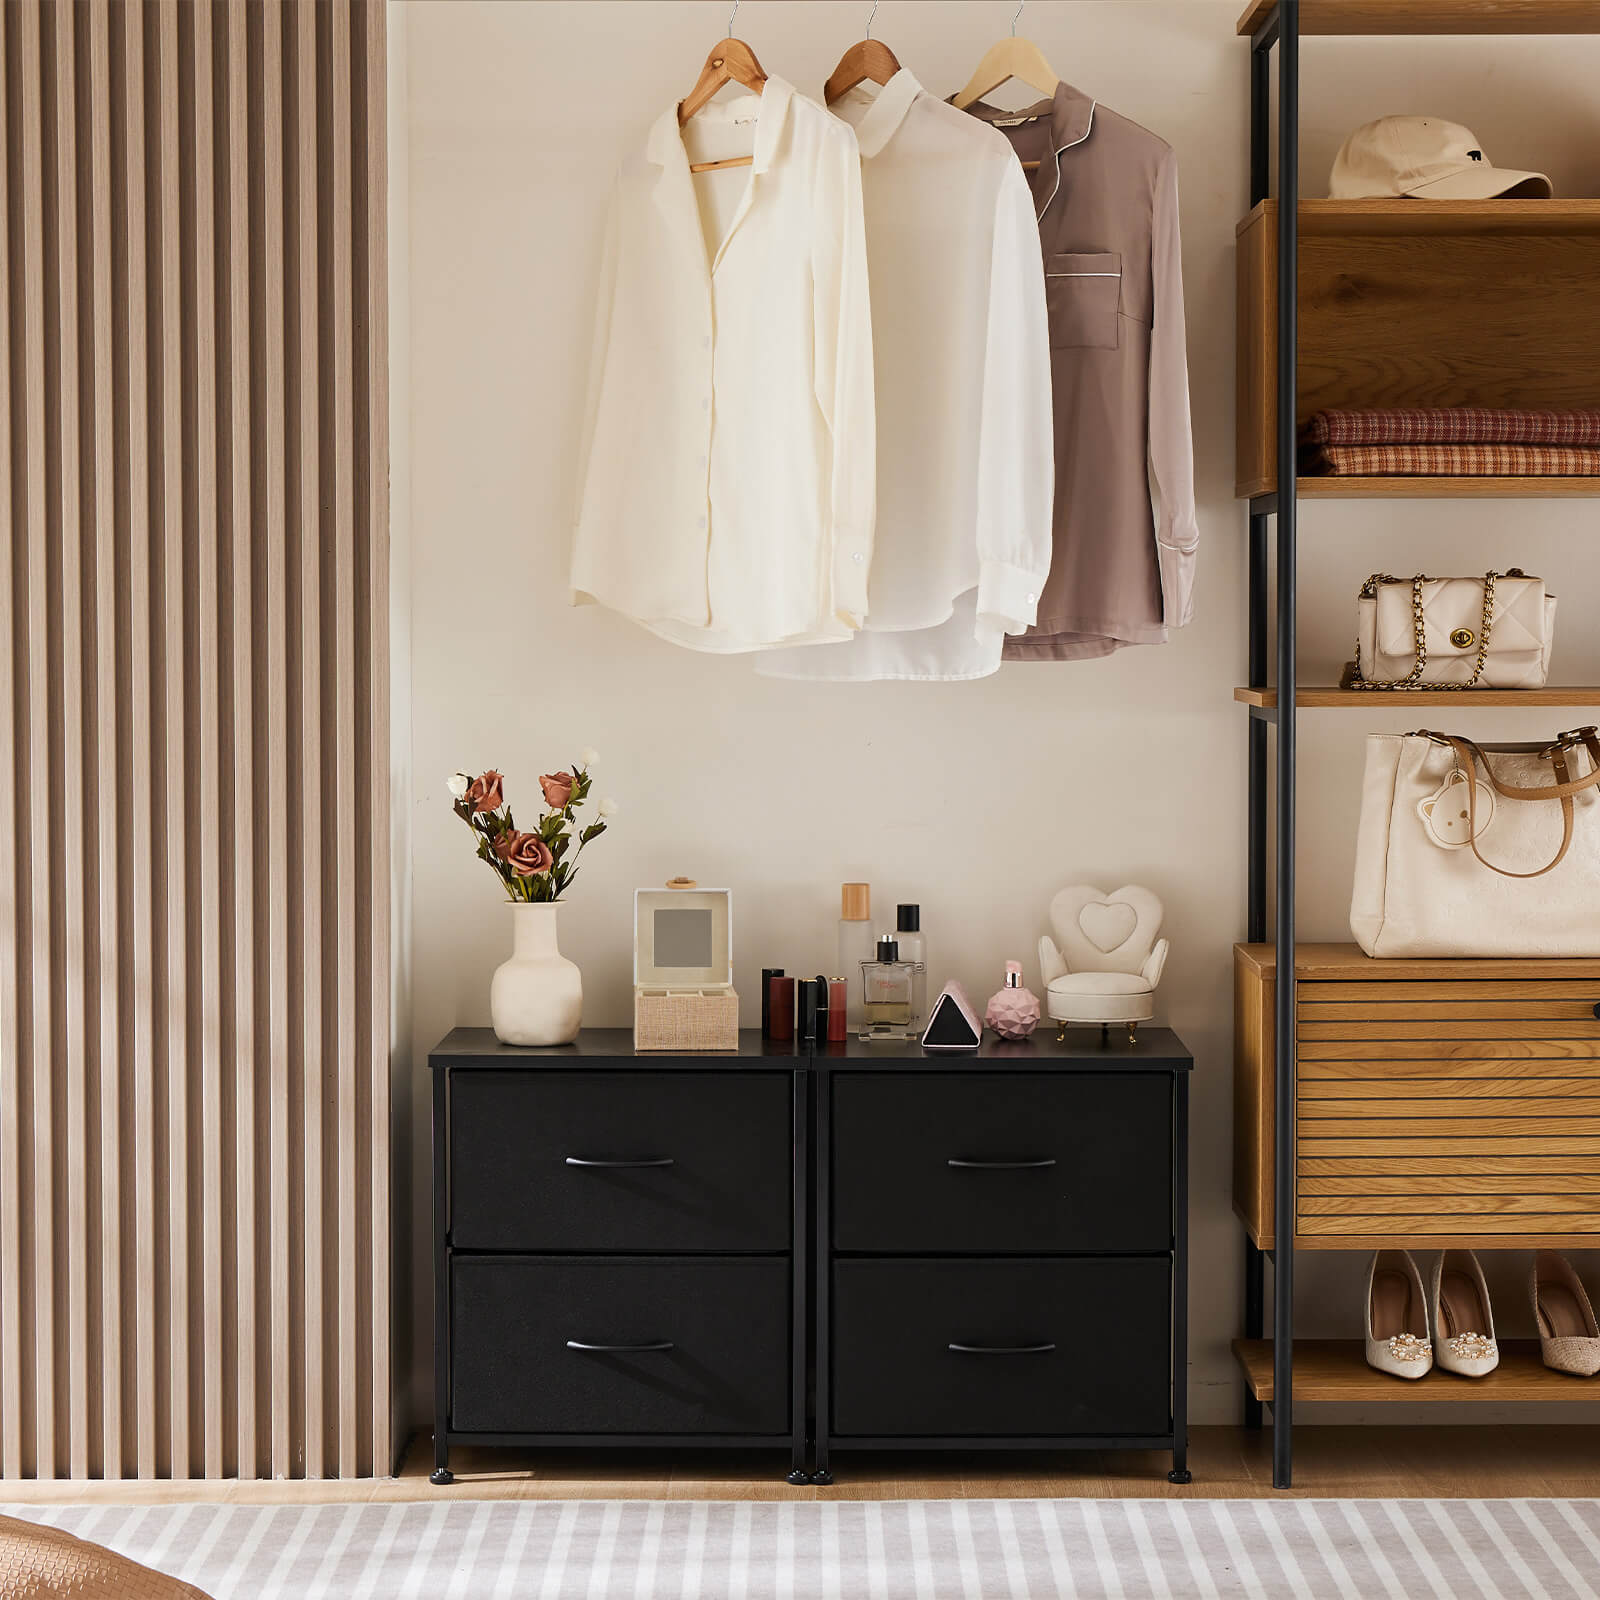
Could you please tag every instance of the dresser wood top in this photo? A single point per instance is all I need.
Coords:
(1157, 1050)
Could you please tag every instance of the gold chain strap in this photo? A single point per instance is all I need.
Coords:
(1413, 679)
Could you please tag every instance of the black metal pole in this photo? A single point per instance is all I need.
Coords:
(1180, 1279)
(1261, 113)
(822, 1282)
(800, 1273)
(1256, 870)
(441, 1473)
(1283, 1134)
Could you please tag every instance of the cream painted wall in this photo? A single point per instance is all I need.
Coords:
(978, 800)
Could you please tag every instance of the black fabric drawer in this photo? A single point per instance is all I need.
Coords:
(728, 1136)
(727, 1321)
(1109, 1373)
(1109, 1137)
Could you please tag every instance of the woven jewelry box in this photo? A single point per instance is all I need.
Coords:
(683, 994)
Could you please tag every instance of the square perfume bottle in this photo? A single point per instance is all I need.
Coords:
(889, 988)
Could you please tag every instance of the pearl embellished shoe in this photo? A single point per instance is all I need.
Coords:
(1463, 1323)
(1569, 1339)
(1397, 1316)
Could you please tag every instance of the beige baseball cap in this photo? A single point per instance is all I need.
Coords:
(1426, 158)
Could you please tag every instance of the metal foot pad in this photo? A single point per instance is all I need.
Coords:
(822, 1475)
(441, 1476)
(1180, 1475)
(798, 1476)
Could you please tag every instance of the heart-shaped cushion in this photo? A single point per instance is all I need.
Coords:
(1108, 925)
(1099, 932)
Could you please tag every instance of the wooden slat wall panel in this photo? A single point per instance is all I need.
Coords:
(194, 1099)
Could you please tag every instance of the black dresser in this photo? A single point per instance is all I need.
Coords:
(814, 1249)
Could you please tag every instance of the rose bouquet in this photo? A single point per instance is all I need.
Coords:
(534, 866)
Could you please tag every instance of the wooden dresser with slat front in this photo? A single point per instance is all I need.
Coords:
(1437, 1102)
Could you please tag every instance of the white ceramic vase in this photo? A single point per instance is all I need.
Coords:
(537, 996)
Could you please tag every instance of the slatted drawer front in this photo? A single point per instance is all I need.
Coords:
(1449, 1109)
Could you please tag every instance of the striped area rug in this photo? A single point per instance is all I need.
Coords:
(975, 1549)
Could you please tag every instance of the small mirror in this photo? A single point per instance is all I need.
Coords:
(683, 938)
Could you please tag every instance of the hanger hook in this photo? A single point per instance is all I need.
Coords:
(1017, 13)
(735, 12)
(870, 15)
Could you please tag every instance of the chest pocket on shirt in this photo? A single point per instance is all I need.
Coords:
(1084, 293)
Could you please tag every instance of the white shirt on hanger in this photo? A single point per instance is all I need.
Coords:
(961, 348)
(726, 469)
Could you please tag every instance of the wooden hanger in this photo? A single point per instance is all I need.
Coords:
(1004, 60)
(871, 58)
(732, 61)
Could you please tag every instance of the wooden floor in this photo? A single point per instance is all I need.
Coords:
(1228, 1463)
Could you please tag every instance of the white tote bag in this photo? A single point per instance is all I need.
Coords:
(1479, 851)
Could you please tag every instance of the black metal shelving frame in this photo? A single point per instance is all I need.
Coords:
(1273, 596)
(1280, 29)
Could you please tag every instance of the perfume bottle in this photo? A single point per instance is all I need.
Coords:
(855, 941)
(888, 994)
(1013, 1010)
(913, 947)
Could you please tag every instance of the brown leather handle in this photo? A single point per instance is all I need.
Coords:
(1562, 790)
(1555, 791)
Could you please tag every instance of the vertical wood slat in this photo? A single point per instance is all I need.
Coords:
(236, 355)
(342, 735)
(166, 355)
(300, 160)
(38, 1295)
(139, 933)
(372, 451)
(12, 639)
(193, 936)
(105, 719)
(205, 905)
(66, 699)
(272, 461)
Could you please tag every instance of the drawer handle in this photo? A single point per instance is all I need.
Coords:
(1000, 1166)
(586, 1161)
(1002, 1349)
(619, 1349)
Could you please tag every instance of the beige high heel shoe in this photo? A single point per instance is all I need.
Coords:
(1397, 1316)
(1569, 1338)
(1463, 1321)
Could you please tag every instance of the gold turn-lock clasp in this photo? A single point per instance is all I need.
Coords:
(1463, 638)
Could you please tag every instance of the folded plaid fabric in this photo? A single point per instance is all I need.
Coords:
(1451, 461)
(1452, 425)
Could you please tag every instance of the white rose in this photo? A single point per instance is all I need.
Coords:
(588, 758)
(609, 807)
(458, 783)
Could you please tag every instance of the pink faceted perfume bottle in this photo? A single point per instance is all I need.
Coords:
(1013, 1011)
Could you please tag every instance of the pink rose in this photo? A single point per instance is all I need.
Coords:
(557, 788)
(483, 793)
(525, 853)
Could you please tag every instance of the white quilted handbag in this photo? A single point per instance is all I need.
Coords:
(1468, 850)
(1492, 632)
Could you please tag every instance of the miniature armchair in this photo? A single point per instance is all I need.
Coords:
(1106, 958)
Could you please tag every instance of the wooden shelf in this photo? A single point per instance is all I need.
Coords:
(1413, 219)
(1336, 1369)
(1391, 298)
(1425, 488)
(1434, 16)
(1327, 697)
(1422, 488)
